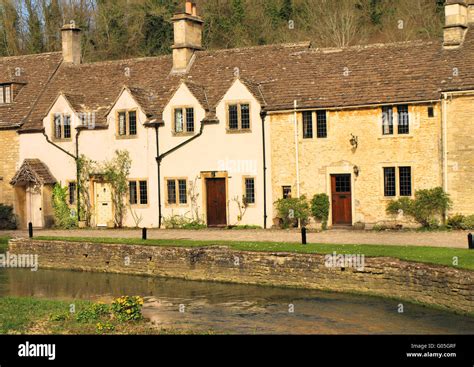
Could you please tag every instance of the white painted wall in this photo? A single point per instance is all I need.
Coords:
(239, 154)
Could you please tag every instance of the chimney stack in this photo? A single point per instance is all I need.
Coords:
(458, 16)
(71, 40)
(187, 37)
(470, 11)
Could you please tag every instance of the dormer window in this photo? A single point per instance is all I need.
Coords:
(61, 126)
(184, 120)
(127, 123)
(5, 94)
(238, 117)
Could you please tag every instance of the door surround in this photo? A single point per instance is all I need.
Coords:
(210, 175)
(346, 169)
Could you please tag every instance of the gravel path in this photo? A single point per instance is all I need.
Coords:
(337, 236)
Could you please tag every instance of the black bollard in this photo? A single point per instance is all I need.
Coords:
(144, 234)
(303, 236)
(470, 241)
(30, 230)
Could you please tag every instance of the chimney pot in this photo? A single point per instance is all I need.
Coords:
(71, 42)
(189, 7)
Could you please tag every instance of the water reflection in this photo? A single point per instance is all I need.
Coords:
(238, 308)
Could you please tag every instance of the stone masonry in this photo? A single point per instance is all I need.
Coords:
(445, 287)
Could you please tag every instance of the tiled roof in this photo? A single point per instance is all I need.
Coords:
(33, 72)
(33, 171)
(276, 75)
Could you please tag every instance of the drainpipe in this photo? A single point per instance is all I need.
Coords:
(158, 164)
(160, 158)
(297, 154)
(445, 141)
(78, 177)
(263, 115)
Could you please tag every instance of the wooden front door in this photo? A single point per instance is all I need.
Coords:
(103, 202)
(216, 202)
(341, 199)
(34, 206)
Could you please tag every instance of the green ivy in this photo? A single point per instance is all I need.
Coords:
(63, 217)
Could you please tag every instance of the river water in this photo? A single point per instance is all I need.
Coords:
(239, 309)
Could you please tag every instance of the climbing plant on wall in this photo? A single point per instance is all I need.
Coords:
(116, 171)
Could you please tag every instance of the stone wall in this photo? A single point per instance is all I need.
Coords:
(10, 153)
(319, 158)
(461, 153)
(441, 286)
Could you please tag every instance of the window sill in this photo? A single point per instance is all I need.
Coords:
(398, 197)
(402, 136)
(140, 206)
(239, 131)
(54, 140)
(176, 206)
(184, 134)
(127, 137)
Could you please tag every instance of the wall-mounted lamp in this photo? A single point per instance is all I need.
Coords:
(356, 171)
(354, 141)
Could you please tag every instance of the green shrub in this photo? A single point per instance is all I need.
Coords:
(128, 308)
(456, 221)
(93, 312)
(63, 218)
(425, 208)
(300, 208)
(181, 222)
(320, 208)
(468, 222)
(7, 217)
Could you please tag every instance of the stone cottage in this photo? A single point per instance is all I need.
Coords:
(221, 135)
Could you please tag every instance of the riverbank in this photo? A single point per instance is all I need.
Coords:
(35, 316)
(446, 287)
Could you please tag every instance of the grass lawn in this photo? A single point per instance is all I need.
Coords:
(432, 255)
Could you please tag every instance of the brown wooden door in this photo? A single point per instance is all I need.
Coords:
(216, 202)
(341, 199)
